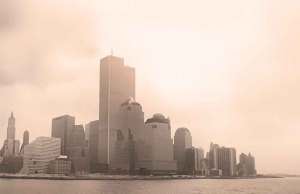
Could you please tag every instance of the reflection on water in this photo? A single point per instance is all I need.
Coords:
(206, 186)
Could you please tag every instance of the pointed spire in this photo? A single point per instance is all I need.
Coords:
(12, 114)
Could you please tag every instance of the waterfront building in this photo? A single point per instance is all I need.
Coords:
(117, 84)
(204, 167)
(227, 161)
(92, 137)
(246, 167)
(77, 150)
(158, 146)
(11, 164)
(61, 128)
(126, 139)
(39, 153)
(61, 165)
(222, 160)
(182, 142)
(193, 158)
(213, 156)
(251, 165)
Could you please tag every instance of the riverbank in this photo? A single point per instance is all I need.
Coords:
(118, 177)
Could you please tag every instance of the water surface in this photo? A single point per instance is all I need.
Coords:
(202, 186)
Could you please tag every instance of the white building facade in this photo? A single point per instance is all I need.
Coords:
(39, 153)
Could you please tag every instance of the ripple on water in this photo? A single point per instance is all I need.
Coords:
(203, 186)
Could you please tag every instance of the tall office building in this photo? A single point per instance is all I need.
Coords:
(194, 157)
(182, 141)
(222, 160)
(213, 156)
(227, 161)
(25, 141)
(11, 145)
(61, 128)
(117, 84)
(92, 137)
(77, 150)
(10, 161)
(39, 153)
(246, 167)
(127, 138)
(251, 165)
(157, 149)
(233, 162)
(11, 129)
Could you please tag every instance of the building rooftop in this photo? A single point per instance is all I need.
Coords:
(131, 101)
(183, 130)
(158, 118)
(63, 116)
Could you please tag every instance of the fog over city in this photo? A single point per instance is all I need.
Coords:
(231, 76)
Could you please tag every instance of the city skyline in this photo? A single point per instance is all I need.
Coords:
(237, 86)
(121, 141)
(120, 61)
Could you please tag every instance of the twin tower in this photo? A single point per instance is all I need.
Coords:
(126, 141)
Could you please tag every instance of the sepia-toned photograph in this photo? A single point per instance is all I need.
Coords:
(149, 97)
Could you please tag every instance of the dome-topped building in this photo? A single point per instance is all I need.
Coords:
(156, 154)
(158, 118)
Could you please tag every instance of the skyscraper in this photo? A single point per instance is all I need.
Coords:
(61, 128)
(25, 141)
(182, 141)
(125, 145)
(11, 129)
(227, 161)
(193, 157)
(157, 155)
(25, 137)
(77, 150)
(251, 165)
(11, 146)
(117, 84)
(92, 136)
(222, 160)
(246, 167)
(213, 156)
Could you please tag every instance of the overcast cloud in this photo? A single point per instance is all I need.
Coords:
(229, 71)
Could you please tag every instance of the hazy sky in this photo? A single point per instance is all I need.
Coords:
(227, 70)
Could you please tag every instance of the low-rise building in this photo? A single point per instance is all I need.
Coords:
(204, 167)
(39, 153)
(61, 165)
